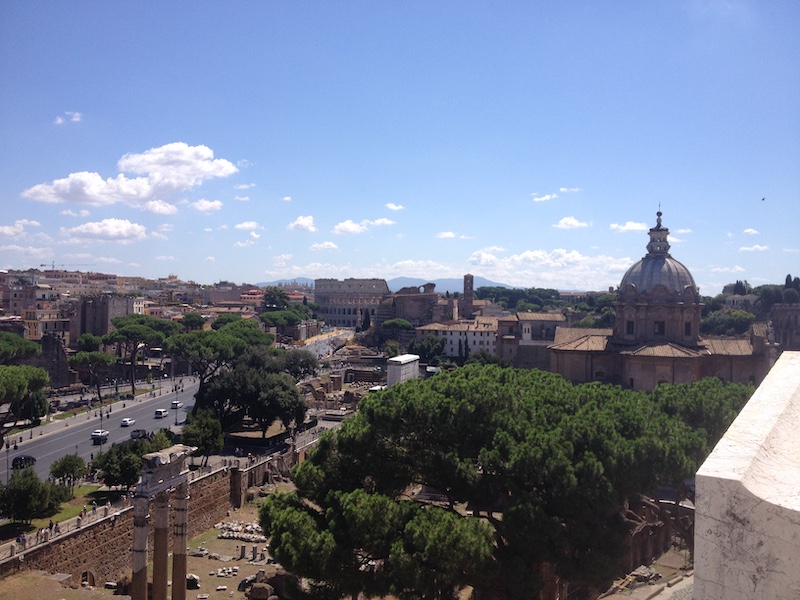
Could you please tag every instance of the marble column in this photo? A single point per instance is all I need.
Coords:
(141, 504)
(160, 538)
(179, 541)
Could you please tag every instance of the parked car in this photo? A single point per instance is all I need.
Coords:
(177, 404)
(23, 462)
(99, 436)
(161, 413)
(127, 422)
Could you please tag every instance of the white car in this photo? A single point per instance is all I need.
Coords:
(161, 413)
(99, 436)
(127, 422)
(177, 404)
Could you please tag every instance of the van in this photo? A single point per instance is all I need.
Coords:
(161, 413)
(138, 434)
(177, 404)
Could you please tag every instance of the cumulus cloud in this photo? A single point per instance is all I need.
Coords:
(244, 244)
(393, 206)
(570, 223)
(108, 230)
(159, 207)
(71, 213)
(18, 228)
(161, 172)
(303, 223)
(751, 231)
(281, 260)
(756, 248)
(544, 198)
(206, 206)
(242, 198)
(164, 258)
(287, 198)
(629, 226)
(350, 226)
(444, 235)
(324, 246)
(566, 190)
(244, 186)
(247, 225)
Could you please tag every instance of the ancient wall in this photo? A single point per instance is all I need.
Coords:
(103, 548)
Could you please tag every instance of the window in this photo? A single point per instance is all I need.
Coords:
(687, 329)
(628, 327)
(658, 328)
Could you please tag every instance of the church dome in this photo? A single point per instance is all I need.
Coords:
(658, 268)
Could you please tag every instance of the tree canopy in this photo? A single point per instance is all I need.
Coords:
(22, 387)
(544, 467)
(14, 348)
(203, 431)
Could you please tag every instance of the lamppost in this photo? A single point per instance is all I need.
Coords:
(175, 405)
(8, 450)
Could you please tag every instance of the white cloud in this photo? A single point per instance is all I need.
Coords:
(71, 213)
(565, 190)
(281, 260)
(287, 198)
(159, 207)
(166, 227)
(303, 223)
(443, 235)
(629, 226)
(111, 230)
(570, 223)
(751, 231)
(735, 269)
(393, 206)
(203, 205)
(163, 258)
(349, 226)
(544, 198)
(242, 198)
(158, 235)
(254, 236)
(244, 244)
(324, 246)
(247, 225)
(164, 171)
(108, 260)
(756, 248)
(244, 186)
(18, 228)
(68, 116)
(209, 259)
(682, 231)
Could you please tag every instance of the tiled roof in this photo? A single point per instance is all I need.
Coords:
(729, 347)
(567, 334)
(529, 316)
(667, 350)
(591, 340)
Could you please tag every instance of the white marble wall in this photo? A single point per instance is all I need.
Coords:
(747, 521)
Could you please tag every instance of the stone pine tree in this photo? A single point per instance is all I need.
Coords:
(544, 467)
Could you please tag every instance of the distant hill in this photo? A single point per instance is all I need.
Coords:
(454, 284)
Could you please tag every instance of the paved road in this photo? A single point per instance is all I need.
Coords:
(53, 440)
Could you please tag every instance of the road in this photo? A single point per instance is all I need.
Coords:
(73, 435)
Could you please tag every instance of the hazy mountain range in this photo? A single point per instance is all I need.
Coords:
(452, 284)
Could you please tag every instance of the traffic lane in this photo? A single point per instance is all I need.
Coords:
(73, 435)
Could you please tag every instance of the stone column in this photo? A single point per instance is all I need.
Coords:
(160, 538)
(140, 523)
(179, 541)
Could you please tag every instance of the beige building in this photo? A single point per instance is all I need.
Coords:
(656, 336)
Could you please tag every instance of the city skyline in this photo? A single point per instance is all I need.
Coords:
(526, 143)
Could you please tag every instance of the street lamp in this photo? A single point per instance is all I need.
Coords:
(8, 450)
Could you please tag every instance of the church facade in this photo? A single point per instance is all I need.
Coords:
(656, 337)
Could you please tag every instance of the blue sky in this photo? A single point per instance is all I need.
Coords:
(527, 142)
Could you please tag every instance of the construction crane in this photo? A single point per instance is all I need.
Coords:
(52, 265)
